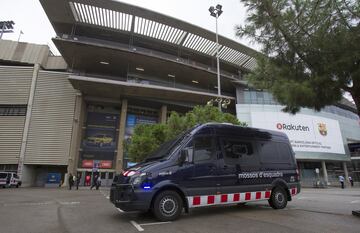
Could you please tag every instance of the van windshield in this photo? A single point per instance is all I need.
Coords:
(167, 148)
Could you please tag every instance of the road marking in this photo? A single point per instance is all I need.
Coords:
(356, 201)
(29, 203)
(107, 197)
(300, 198)
(153, 223)
(137, 226)
(70, 203)
(120, 210)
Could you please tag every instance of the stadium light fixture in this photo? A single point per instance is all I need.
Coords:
(6, 26)
(216, 12)
(194, 81)
(104, 63)
(139, 68)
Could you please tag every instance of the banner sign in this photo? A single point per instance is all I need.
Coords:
(132, 120)
(100, 140)
(306, 133)
(104, 164)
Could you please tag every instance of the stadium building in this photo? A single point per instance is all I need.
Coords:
(122, 65)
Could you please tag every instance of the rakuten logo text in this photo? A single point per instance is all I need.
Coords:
(282, 126)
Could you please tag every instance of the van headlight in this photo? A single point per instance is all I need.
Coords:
(138, 179)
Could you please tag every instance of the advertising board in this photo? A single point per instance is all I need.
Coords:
(306, 133)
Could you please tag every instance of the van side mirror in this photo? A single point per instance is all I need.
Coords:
(185, 155)
(182, 157)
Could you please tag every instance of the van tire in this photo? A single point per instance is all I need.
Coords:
(167, 205)
(17, 186)
(278, 198)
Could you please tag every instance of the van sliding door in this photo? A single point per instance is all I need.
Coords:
(238, 156)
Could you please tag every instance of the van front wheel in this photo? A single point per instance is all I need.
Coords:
(167, 206)
(278, 198)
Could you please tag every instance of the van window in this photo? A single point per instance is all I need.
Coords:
(239, 152)
(3, 175)
(284, 152)
(203, 149)
(274, 152)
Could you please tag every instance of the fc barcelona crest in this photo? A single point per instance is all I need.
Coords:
(322, 129)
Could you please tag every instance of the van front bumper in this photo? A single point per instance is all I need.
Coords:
(129, 198)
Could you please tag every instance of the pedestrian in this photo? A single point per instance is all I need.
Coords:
(71, 181)
(94, 182)
(351, 181)
(341, 179)
(78, 177)
(98, 182)
(87, 180)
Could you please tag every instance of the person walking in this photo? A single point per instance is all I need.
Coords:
(78, 178)
(94, 182)
(71, 181)
(98, 182)
(351, 181)
(87, 180)
(341, 179)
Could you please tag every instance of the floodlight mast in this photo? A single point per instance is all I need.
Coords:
(216, 12)
(6, 26)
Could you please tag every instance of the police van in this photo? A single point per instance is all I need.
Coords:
(9, 179)
(210, 164)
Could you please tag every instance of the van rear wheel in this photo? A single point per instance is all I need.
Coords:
(278, 198)
(167, 206)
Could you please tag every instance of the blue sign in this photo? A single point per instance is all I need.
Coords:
(53, 178)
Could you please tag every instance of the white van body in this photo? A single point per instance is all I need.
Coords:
(9, 179)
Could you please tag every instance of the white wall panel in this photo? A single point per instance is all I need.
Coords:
(51, 121)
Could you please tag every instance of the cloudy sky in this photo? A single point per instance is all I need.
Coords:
(30, 18)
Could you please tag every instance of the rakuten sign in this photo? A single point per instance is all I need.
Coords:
(306, 133)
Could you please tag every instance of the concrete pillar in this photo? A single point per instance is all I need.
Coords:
(163, 114)
(326, 179)
(120, 148)
(346, 172)
(27, 120)
(76, 134)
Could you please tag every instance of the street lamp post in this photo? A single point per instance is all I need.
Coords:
(216, 12)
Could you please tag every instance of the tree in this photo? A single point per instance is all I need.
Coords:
(148, 137)
(311, 50)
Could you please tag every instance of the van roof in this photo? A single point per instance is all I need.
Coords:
(249, 131)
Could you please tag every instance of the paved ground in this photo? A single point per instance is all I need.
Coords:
(35, 210)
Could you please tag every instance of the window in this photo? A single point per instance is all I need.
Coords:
(203, 149)
(103, 175)
(111, 175)
(284, 152)
(12, 110)
(274, 152)
(268, 152)
(238, 152)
